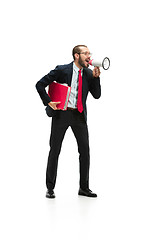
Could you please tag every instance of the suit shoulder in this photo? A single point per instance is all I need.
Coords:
(88, 71)
(64, 66)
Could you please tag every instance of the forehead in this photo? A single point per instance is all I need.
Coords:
(84, 49)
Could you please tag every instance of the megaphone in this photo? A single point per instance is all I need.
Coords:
(105, 63)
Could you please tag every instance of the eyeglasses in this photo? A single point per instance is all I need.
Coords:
(86, 53)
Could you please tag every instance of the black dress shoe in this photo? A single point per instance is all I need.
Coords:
(50, 194)
(86, 193)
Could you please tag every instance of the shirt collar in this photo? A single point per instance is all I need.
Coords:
(75, 68)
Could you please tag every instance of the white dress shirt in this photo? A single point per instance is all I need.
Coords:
(74, 87)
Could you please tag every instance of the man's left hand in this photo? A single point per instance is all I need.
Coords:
(96, 72)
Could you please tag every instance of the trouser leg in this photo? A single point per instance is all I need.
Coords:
(56, 138)
(81, 134)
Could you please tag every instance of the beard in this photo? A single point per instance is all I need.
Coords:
(82, 62)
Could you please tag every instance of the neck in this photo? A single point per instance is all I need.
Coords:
(78, 65)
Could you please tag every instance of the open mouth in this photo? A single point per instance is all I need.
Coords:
(87, 61)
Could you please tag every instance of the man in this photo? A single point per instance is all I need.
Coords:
(82, 80)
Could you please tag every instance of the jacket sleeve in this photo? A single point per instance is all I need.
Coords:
(44, 82)
(95, 87)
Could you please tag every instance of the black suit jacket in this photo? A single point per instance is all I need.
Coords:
(63, 74)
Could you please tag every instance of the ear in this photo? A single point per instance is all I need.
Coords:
(76, 56)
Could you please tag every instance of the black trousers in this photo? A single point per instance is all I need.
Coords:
(60, 123)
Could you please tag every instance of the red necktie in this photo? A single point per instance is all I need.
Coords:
(79, 100)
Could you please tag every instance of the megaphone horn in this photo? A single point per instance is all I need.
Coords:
(105, 63)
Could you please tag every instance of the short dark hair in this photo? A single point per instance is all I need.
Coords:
(76, 49)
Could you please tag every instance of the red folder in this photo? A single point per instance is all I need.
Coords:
(59, 93)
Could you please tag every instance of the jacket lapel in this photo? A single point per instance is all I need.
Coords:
(83, 83)
(70, 72)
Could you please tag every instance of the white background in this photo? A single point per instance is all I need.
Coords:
(124, 124)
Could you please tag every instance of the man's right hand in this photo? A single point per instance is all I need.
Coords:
(54, 105)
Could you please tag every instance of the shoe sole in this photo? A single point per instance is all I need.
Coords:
(50, 197)
(84, 195)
